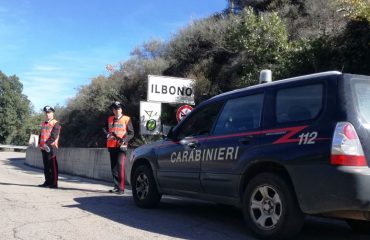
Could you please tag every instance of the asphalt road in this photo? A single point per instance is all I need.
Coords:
(82, 209)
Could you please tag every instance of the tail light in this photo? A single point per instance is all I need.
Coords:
(346, 149)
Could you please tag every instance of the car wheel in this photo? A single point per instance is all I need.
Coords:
(144, 188)
(270, 207)
(359, 226)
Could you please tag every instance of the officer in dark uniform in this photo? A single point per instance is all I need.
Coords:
(120, 132)
(48, 143)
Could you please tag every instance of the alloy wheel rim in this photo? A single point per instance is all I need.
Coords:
(265, 207)
(142, 186)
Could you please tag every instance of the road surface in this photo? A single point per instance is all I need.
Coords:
(83, 209)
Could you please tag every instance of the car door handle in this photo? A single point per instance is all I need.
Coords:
(246, 140)
(192, 144)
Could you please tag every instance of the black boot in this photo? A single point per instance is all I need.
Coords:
(45, 184)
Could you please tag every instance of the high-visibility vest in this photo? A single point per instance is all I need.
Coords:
(46, 128)
(119, 127)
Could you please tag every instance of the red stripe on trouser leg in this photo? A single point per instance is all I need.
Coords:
(123, 171)
(55, 176)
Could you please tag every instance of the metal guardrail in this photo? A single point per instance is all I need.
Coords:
(13, 147)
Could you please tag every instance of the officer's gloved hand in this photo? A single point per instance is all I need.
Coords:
(123, 144)
(123, 147)
(46, 148)
(109, 135)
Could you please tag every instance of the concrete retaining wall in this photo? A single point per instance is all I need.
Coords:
(85, 162)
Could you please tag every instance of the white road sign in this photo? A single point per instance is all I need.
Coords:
(170, 89)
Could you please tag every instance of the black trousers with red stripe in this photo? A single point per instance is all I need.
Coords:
(50, 168)
(117, 164)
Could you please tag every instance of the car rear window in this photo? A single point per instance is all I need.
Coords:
(362, 95)
(299, 103)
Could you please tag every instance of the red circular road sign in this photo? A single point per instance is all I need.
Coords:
(182, 112)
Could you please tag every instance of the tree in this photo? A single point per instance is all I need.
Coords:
(355, 9)
(348, 51)
(199, 51)
(258, 41)
(303, 18)
(83, 118)
(86, 114)
(15, 111)
(202, 39)
(224, 52)
(257, 5)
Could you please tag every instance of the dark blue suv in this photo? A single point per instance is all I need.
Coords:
(277, 150)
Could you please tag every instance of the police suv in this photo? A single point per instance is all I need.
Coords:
(277, 150)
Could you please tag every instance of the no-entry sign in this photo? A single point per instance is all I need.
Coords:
(182, 112)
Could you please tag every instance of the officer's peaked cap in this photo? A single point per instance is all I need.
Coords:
(115, 105)
(48, 109)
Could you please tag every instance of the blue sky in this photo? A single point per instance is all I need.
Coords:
(56, 46)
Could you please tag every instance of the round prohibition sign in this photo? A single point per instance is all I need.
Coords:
(182, 112)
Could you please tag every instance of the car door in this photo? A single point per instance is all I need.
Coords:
(233, 141)
(179, 157)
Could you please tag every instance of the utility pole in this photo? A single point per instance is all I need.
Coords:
(234, 6)
(231, 6)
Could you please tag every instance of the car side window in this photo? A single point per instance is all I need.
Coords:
(201, 122)
(240, 114)
(299, 103)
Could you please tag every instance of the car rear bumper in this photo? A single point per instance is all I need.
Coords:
(324, 189)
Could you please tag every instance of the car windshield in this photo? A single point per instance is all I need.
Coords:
(362, 95)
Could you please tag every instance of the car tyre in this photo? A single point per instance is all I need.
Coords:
(359, 226)
(144, 188)
(270, 207)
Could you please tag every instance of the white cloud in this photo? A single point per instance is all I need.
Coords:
(46, 68)
(56, 79)
(46, 90)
